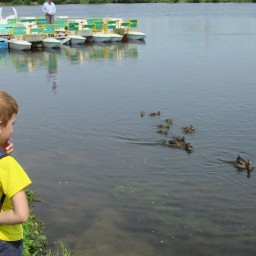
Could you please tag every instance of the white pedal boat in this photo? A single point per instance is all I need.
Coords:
(134, 35)
(101, 38)
(21, 45)
(74, 39)
(51, 43)
(115, 38)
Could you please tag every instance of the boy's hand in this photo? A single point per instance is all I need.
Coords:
(9, 146)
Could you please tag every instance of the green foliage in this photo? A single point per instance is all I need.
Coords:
(40, 2)
(27, 2)
(59, 1)
(72, 1)
(34, 240)
(17, 2)
(99, 1)
(21, 2)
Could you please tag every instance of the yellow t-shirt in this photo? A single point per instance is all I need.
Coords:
(13, 179)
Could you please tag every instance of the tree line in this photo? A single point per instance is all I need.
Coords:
(39, 2)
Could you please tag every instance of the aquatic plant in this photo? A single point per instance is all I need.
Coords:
(63, 251)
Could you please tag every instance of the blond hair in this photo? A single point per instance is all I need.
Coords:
(8, 107)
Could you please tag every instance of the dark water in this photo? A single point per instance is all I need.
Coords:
(109, 187)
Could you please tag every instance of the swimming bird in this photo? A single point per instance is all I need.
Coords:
(155, 113)
(169, 121)
(180, 138)
(241, 163)
(163, 126)
(142, 113)
(164, 132)
(188, 129)
(178, 144)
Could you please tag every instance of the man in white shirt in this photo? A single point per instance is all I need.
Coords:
(49, 9)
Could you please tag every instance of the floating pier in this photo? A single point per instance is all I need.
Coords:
(29, 32)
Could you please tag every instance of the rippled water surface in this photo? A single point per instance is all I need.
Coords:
(108, 185)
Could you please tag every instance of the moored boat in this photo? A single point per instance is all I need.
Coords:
(115, 37)
(74, 39)
(51, 43)
(134, 35)
(21, 45)
(101, 38)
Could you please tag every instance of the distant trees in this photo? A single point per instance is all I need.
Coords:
(39, 2)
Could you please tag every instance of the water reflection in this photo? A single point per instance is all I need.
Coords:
(80, 54)
(29, 61)
(22, 61)
(52, 64)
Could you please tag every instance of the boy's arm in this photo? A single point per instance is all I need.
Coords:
(19, 213)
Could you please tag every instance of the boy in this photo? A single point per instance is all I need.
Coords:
(13, 181)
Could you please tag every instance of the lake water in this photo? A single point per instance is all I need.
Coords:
(108, 185)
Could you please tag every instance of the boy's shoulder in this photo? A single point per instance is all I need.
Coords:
(3, 154)
(7, 160)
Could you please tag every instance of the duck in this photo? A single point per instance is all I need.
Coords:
(164, 132)
(163, 126)
(169, 121)
(243, 164)
(178, 144)
(155, 113)
(188, 129)
(188, 147)
(142, 113)
(180, 138)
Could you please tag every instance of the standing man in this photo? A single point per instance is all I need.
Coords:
(49, 9)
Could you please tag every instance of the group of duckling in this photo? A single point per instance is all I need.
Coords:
(158, 113)
(180, 141)
(163, 128)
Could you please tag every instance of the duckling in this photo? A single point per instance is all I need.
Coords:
(180, 138)
(178, 144)
(163, 126)
(164, 132)
(169, 121)
(188, 147)
(155, 113)
(241, 163)
(188, 129)
(142, 113)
